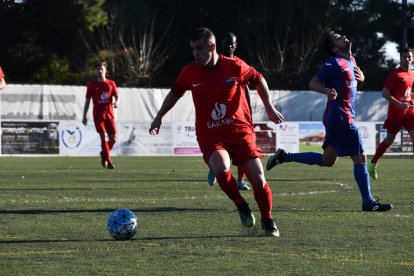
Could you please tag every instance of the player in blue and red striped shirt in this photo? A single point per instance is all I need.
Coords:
(338, 79)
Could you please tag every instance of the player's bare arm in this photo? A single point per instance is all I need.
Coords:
(85, 111)
(359, 75)
(318, 85)
(386, 94)
(263, 91)
(168, 103)
(116, 103)
(2, 83)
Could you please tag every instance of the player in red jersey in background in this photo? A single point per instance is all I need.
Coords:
(398, 92)
(224, 126)
(101, 91)
(229, 44)
(2, 80)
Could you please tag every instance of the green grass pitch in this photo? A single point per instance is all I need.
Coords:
(53, 214)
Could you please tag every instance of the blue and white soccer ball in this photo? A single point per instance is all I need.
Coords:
(122, 224)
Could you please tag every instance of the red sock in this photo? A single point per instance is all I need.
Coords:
(381, 149)
(228, 184)
(240, 173)
(111, 144)
(105, 151)
(264, 199)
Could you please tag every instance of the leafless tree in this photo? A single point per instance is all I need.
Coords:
(135, 55)
(284, 47)
(143, 55)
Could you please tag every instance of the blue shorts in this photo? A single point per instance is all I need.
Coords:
(345, 139)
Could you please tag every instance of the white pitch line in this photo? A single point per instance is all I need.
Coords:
(346, 186)
(155, 200)
(308, 193)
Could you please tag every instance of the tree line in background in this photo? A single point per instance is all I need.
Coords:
(146, 42)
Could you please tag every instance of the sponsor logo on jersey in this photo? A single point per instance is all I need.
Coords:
(219, 111)
(217, 114)
(223, 122)
(230, 81)
(351, 84)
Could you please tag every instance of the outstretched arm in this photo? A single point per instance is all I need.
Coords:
(318, 85)
(168, 103)
(263, 91)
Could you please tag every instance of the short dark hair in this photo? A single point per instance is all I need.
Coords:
(327, 43)
(406, 50)
(101, 63)
(201, 33)
(229, 36)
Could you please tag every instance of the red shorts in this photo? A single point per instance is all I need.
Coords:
(106, 126)
(394, 124)
(240, 149)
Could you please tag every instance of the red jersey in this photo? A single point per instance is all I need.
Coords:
(101, 94)
(1, 73)
(219, 96)
(400, 83)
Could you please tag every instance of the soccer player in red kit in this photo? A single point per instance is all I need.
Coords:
(223, 123)
(398, 92)
(229, 44)
(102, 91)
(2, 80)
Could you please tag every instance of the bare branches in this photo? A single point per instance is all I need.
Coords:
(135, 56)
(288, 39)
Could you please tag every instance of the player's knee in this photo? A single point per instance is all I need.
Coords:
(220, 171)
(257, 180)
(363, 158)
(328, 164)
(112, 139)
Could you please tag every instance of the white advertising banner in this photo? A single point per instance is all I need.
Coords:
(79, 140)
(135, 140)
(309, 136)
(368, 132)
(184, 139)
(174, 139)
(287, 136)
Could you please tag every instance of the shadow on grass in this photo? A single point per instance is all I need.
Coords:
(104, 210)
(59, 189)
(135, 239)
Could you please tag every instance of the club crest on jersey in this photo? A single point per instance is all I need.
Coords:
(219, 111)
(230, 81)
(104, 96)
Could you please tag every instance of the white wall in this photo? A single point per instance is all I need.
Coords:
(52, 102)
